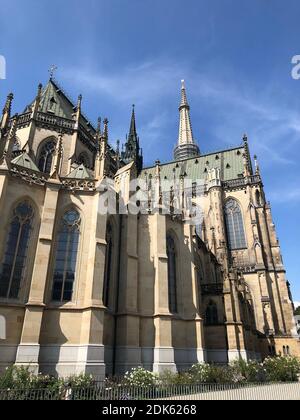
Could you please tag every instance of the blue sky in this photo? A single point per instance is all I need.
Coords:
(234, 55)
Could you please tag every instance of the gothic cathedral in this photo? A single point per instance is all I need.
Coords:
(83, 290)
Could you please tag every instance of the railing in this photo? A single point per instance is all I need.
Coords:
(55, 121)
(243, 264)
(234, 392)
(24, 119)
(241, 182)
(78, 184)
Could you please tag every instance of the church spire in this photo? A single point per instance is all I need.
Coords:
(132, 146)
(132, 130)
(186, 146)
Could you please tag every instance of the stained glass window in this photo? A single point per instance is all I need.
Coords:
(211, 314)
(172, 274)
(235, 225)
(46, 156)
(66, 257)
(14, 262)
(108, 264)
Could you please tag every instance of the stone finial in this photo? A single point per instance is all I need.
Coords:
(98, 125)
(257, 169)
(8, 103)
(39, 91)
(6, 112)
(105, 127)
(79, 101)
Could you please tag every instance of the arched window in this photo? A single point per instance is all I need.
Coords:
(235, 226)
(16, 145)
(211, 314)
(46, 156)
(83, 160)
(172, 275)
(200, 281)
(108, 264)
(14, 262)
(66, 257)
(258, 198)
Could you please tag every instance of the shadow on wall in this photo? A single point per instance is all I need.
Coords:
(184, 333)
(52, 357)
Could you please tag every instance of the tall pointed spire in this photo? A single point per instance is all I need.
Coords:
(132, 146)
(186, 146)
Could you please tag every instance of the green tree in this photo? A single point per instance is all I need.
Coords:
(297, 311)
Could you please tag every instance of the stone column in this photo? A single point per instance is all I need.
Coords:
(29, 347)
(234, 326)
(128, 351)
(3, 187)
(91, 346)
(163, 351)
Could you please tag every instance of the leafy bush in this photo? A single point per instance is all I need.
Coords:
(140, 377)
(20, 377)
(278, 369)
(212, 374)
(248, 371)
(282, 369)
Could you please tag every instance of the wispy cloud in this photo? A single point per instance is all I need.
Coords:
(236, 109)
(285, 196)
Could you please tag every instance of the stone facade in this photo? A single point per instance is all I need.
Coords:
(85, 291)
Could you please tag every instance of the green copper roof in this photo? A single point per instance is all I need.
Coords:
(25, 161)
(56, 102)
(230, 163)
(81, 172)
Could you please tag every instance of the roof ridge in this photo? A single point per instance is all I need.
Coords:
(196, 157)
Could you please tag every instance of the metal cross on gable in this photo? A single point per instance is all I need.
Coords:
(52, 70)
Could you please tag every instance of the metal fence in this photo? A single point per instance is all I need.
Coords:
(279, 391)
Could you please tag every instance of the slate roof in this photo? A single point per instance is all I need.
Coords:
(56, 100)
(230, 163)
(81, 172)
(25, 161)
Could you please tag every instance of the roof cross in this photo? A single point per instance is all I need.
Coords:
(52, 70)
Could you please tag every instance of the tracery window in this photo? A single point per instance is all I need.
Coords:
(66, 257)
(235, 225)
(211, 314)
(46, 156)
(83, 160)
(108, 264)
(172, 275)
(14, 261)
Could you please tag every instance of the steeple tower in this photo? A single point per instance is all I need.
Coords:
(186, 146)
(132, 146)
